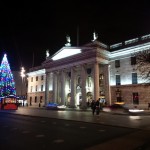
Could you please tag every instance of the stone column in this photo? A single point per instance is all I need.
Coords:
(107, 84)
(96, 81)
(83, 90)
(110, 100)
(73, 88)
(63, 81)
(54, 87)
(47, 88)
(58, 100)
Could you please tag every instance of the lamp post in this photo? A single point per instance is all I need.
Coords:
(22, 73)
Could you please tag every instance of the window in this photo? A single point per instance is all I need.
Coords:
(30, 101)
(32, 79)
(101, 76)
(135, 98)
(118, 95)
(41, 97)
(41, 87)
(134, 78)
(148, 58)
(89, 81)
(79, 80)
(35, 99)
(117, 79)
(36, 78)
(133, 60)
(117, 63)
(36, 88)
(89, 70)
(42, 77)
(31, 88)
(101, 79)
(69, 83)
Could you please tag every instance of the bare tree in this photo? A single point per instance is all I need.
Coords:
(143, 64)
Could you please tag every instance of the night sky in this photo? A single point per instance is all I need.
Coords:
(28, 28)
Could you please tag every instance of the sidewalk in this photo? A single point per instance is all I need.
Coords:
(78, 109)
(104, 118)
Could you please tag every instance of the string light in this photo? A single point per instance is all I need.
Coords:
(7, 84)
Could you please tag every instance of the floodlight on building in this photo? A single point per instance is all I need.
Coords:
(66, 53)
(22, 74)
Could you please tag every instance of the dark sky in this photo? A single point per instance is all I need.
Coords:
(28, 28)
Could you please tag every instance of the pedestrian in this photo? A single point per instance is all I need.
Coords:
(97, 107)
(93, 106)
(148, 106)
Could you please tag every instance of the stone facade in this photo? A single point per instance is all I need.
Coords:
(127, 94)
(36, 87)
(90, 72)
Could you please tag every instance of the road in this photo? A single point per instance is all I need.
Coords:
(25, 132)
(43, 129)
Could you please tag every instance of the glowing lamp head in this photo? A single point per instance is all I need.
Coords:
(22, 72)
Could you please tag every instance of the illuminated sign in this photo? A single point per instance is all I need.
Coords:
(10, 100)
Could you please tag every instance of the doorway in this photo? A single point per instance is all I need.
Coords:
(135, 98)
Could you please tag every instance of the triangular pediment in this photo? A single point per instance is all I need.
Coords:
(66, 52)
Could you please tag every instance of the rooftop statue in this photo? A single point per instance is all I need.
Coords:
(68, 41)
(95, 36)
(47, 53)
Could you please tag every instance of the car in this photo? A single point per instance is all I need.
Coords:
(116, 108)
(55, 106)
(136, 110)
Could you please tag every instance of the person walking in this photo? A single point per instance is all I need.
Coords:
(93, 106)
(148, 106)
(97, 107)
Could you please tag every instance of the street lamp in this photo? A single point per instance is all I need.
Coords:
(22, 73)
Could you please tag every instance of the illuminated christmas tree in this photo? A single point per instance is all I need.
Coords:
(7, 84)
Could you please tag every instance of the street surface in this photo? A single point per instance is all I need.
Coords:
(46, 129)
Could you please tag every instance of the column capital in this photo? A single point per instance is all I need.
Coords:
(47, 73)
(56, 72)
(84, 65)
(63, 70)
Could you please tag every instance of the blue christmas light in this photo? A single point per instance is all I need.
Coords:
(7, 84)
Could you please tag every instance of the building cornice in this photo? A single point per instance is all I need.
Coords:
(128, 51)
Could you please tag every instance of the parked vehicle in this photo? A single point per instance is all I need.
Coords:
(116, 108)
(9, 102)
(55, 106)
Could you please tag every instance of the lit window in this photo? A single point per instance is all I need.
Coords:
(134, 78)
(41, 87)
(89, 81)
(117, 79)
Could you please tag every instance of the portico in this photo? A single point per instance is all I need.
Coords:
(74, 77)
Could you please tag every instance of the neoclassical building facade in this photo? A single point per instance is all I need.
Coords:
(73, 76)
